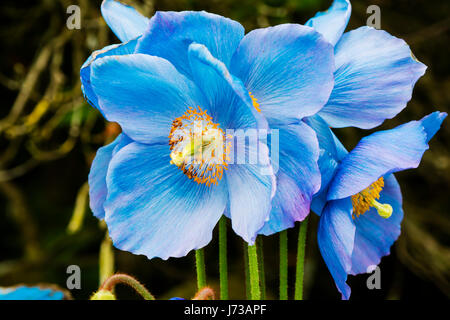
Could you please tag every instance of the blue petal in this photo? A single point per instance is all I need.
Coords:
(31, 293)
(85, 71)
(335, 236)
(229, 102)
(143, 93)
(154, 209)
(327, 139)
(374, 234)
(97, 175)
(331, 153)
(327, 166)
(289, 70)
(432, 123)
(298, 178)
(251, 186)
(379, 154)
(331, 23)
(123, 20)
(170, 33)
(374, 79)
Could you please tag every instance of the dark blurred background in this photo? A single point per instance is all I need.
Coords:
(49, 135)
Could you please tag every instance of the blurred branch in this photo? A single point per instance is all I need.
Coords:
(23, 219)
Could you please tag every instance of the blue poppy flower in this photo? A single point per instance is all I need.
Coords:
(33, 293)
(177, 60)
(361, 207)
(375, 71)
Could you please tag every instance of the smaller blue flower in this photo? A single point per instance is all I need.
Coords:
(33, 293)
(360, 204)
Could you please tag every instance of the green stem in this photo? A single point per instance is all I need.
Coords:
(299, 272)
(223, 267)
(112, 281)
(255, 290)
(247, 272)
(106, 260)
(262, 274)
(283, 265)
(201, 270)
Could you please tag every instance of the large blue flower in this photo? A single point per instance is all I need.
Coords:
(361, 207)
(33, 293)
(177, 60)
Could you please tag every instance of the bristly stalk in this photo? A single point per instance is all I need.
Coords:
(283, 265)
(223, 266)
(299, 272)
(117, 278)
(262, 274)
(255, 290)
(201, 270)
(247, 271)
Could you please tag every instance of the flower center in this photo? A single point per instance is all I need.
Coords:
(364, 200)
(255, 102)
(199, 147)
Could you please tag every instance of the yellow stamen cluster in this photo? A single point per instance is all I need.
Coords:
(255, 102)
(364, 200)
(199, 147)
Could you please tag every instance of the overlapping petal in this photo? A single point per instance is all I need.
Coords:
(331, 23)
(97, 174)
(382, 153)
(143, 93)
(85, 71)
(298, 177)
(331, 153)
(288, 68)
(335, 236)
(123, 20)
(170, 33)
(153, 209)
(229, 102)
(251, 185)
(374, 79)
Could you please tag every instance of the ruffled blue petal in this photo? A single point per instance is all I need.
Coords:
(327, 166)
(331, 153)
(170, 33)
(298, 177)
(229, 102)
(143, 93)
(154, 209)
(97, 174)
(374, 234)
(335, 236)
(289, 70)
(123, 20)
(85, 71)
(331, 23)
(251, 186)
(379, 154)
(31, 293)
(374, 79)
